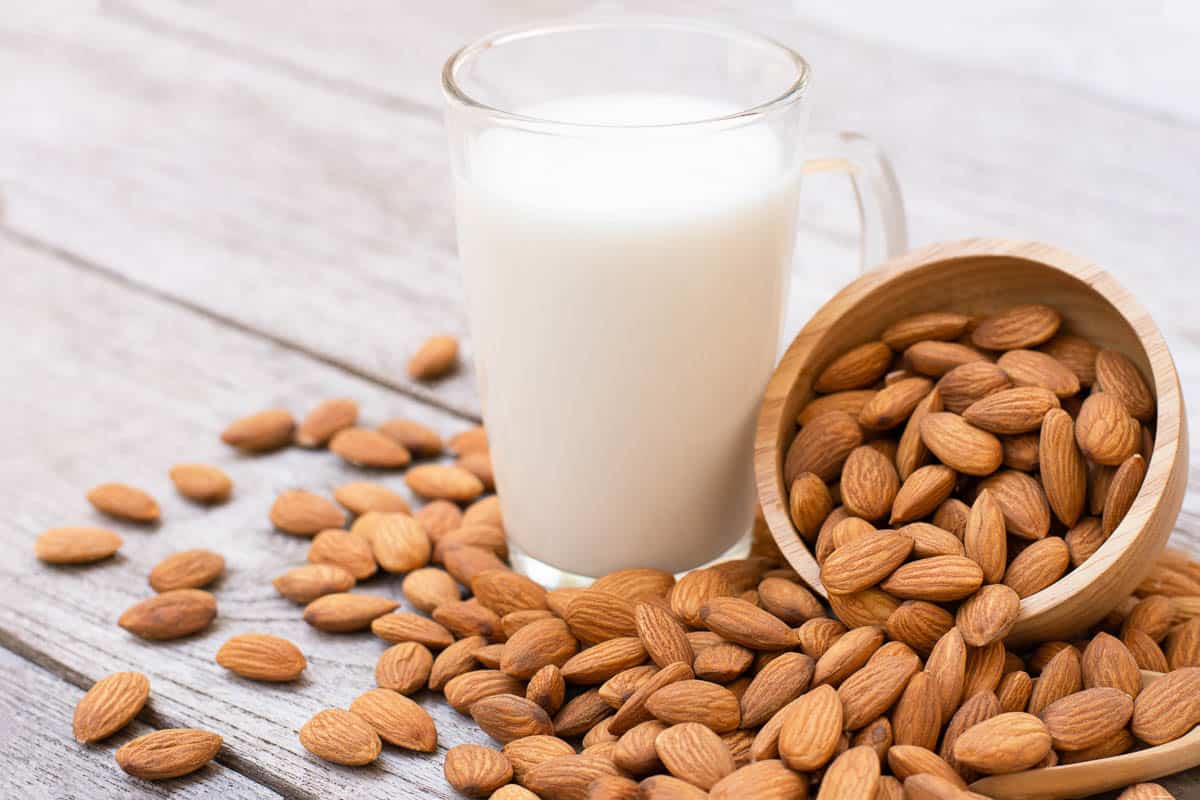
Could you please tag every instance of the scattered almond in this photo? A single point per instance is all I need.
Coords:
(168, 753)
(125, 502)
(202, 483)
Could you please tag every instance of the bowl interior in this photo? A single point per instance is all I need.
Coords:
(968, 277)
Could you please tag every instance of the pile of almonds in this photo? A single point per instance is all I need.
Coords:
(734, 682)
(990, 470)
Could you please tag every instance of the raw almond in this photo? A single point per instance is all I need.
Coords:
(947, 664)
(307, 583)
(567, 777)
(597, 664)
(856, 368)
(81, 545)
(487, 537)
(894, 404)
(1022, 501)
(582, 713)
(480, 465)
(723, 662)
(419, 439)
(1008, 742)
(543, 642)
(821, 447)
(403, 626)
(919, 624)
(1123, 490)
(261, 432)
(868, 607)
(304, 513)
(1016, 327)
(854, 775)
(1037, 369)
(1011, 411)
(1076, 353)
(397, 720)
(439, 518)
(695, 754)
(1145, 791)
(329, 417)
(429, 587)
(475, 770)
(397, 541)
(524, 754)
(1107, 662)
(489, 655)
(261, 657)
(984, 540)
(202, 483)
(911, 453)
(506, 717)
(817, 635)
(988, 615)
(404, 668)
(1037, 566)
(661, 634)
(695, 701)
(850, 401)
(746, 624)
(924, 490)
(937, 579)
(467, 563)
(936, 325)
(917, 718)
(443, 482)
(906, 760)
(547, 688)
(513, 621)
(465, 690)
(877, 686)
(809, 504)
(350, 551)
(938, 358)
(1063, 471)
(504, 591)
(1085, 719)
(1183, 645)
(168, 753)
(344, 611)
(763, 780)
(788, 600)
(437, 356)
(877, 736)
(1084, 539)
(1145, 651)
(1118, 376)
(985, 667)
(595, 615)
(966, 384)
(634, 710)
(1153, 614)
(365, 447)
(361, 497)
(635, 751)
(1168, 708)
(110, 705)
(487, 511)
(1061, 677)
(170, 615)
(1105, 431)
(975, 709)
(775, 685)
(468, 441)
(1021, 451)
(124, 502)
(960, 445)
(869, 483)
(636, 582)
(864, 562)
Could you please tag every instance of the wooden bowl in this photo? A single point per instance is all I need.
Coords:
(984, 276)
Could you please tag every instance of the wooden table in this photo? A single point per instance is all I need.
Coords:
(210, 208)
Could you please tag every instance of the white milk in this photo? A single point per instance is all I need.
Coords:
(625, 295)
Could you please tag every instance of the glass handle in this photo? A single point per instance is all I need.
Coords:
(880, 207)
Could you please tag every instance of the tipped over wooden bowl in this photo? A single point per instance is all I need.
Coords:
(983, 276)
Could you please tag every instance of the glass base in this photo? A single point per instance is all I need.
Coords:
(554, 578)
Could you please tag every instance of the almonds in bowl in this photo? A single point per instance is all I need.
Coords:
(975, 415)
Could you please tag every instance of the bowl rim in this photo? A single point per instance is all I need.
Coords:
(1170, 418)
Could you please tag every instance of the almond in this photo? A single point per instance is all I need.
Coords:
(635, 751)
(468, 441)
(1118, 376)
(429, 587)
(443, 482)
(1008, 742)
(524, 754)
(1063, 472)
(854, 775)
(201, 483)
(1146, 791)
(361, 497)
(1106, 662)
(480, 465)
(487, 537)
(436, 357)
(513, 621)
(1061, 677)
(873, 689)
(859, 367)
(1145, 651)
(894, 404)
(489, 655)
(397, 720)
(1014, 690)
(397, 541)
(788, 600)
(906, 760)
(1105, 431)
(1021, 500)
(1183, 645)
(662, 636)
(438, 518)
(809, 504)
(365, 447)
(985, 667)
(465, 690)
(466, 563)
(1021, 451)
(951, 516)
(1011, 411)
(975, 709)
(168, 753)
(1084, 539)
(404, 668)
(506, 717)
(937, 579)
(960, 445)
(307, 583)
(504, 592)
(596, 615)
(1168, 708)
(924, 490)
(82, 545)
(877, 736)
(810, 730)
(261, 657)
(764, 780)
(821, 447)
(775, 685)
(582, 713)
(984, 539)
(1123, 490)
(634, 709)
(938, 358)
(919, 624)
(966, 384)
(304, 513)
(110, 705)
(475, 770)
(869, 483)
(261, 432)
(125, 502)
(402, 626)
(1036, 369)
(847, 655)
(170, 615)
(329, 417)
(597, 664)
(695, 754)
(1153, 614)
(746, 624)
(988, 615)
(547, 688)
(1037, 566)
(1017, 327)
(636, 582)
(695, 701)
(567, 777)
(911, 453)
(1085, 719)
(342, 612)
(850, 401)
(350, 551)
(818, 635)
(868, 607)
(936, 325)
(864, 562)
(547, 641)
(947, 664)
(1076, 353)
(917, 718)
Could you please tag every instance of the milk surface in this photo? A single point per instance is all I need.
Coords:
(625, 293)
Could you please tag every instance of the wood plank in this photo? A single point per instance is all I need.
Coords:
(37, 708)
(105, 384)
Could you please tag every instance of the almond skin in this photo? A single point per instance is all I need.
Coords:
(919, 624)
(429, 587)
(746, 624)
(917, 717)
(1017, 327)
(327, 419)
(821, 447)
(305, 514)
(788, 600)
(405, 667)
(397, 720)
(170, 615)
(864, 562)
(443, 482)
(470, 618)
(850, 401)
(809, 504)
(1145, 791)
(854, 775)
(1060, 677)
(506, 717)
(968, 383)
(307, 583)
(695, 701)
(344, 612)
(110, 705)
(894, 404)
(168, 753)
(1036, 369)
(1168, 708)
(201, 483)
(436, 357)
(961, 446)
(1011, 411)
(350, 551)
(1008, 742)
(398, 541)
(125, 502)
(947, 664)
(908, 760)
(855, 369)
(873, 689)
(975, 709)
(662, 636)
(361, 497)
(937, 325)
(1037, 566)
(1076, 353)
(504, 592)
(475, 770)
(1145, 651)
(694, 753)
(1063, 471)
(633, 710)
(938, 358)
(547, 641)
(568, 777)
(1122, 491)
(869, 483)
(1087, 718)
(1105, 431)
(1014, 691)
(1022, 501)
(779, 682)
(988, 615)
(365, 447)
(341, 737)
(924, 490)
(937, 579)
(419, 439)
(262, 432)
(581, 714)
(463, 691)
(400, 626)
(911, 453)
(597, 664)
(1107, 662)
(1117, 375)
(81, 545)
(984, 540)
(261, 657)
(765, 780)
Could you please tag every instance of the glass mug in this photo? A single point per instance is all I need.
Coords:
(626, 200)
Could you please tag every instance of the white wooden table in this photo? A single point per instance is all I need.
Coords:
(210, 208)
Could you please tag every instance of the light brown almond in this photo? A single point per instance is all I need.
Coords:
(763, 780)
(1022, 451)
(1126, 483)
(821, 446)
(436, 357)
(988, 615)
(922, 492)
(937, 358)
(1145, 791)
(475, 770)
(1107, 662)
(868, 607)
(329, 417)
(468, 441)
(168, 753)
(985, 667)
(202, 483)
(809, 504)
(864, 562)
(1011, 411)
(1117, 375)
(123, 501)
(810, 730)
(1145, 651)
(526, 753)
(937, 579)
(1105, 431)
(975, 709)
(911, 453)
(170, 615)
(1014, 690)
(1088, 718)
(487, 537)
(746, 624)
(1017, 327)
(582, 713)
(854, 775)
(695, 701)
(1063, 472)
(79, 545)
(1183, 645)
(515, 620)
(419, 439)
(1076, 353)
(397, 720)
(504, 592)
(1037, 566)
(595, 615)
(466, 563)
(443, 482)
(906, 760)
(469, 618)
(262, 432)
(438, 518)
(539, 643)
(722, 662)
(341, 737)
(662, 635)
(597, 664)
(951, 515)
(465, 690)
(506, 717)
(817, 635)
(1168, 708)
(568, 777)
(365, 447)
(487, 511)
(1084, 539)
(919, 624)
(429, 587)
(695, 754)
(397, 541)
(877, 686)
(969, 383)
(1008, 742)
(779, 682)
(636, 582)
(361, 497)
(855, 369)
(1153, 614)
(404, 668)
(343, 612)
(947, 664)
(479, 464)
(788, 600)
(1037, 369)
(917, 718)
(984, 539)
(850, 401)
(261, 657)
(547, 688)
(304, 513)
(110, 705)
(894, 404)
(935, 325)
(869, 483)
(307, 583)
(960, 445)
(1022, 501)
(350, 551)
(634, 710)
(1062, 676)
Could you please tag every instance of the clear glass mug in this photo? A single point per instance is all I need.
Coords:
(626, 201)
